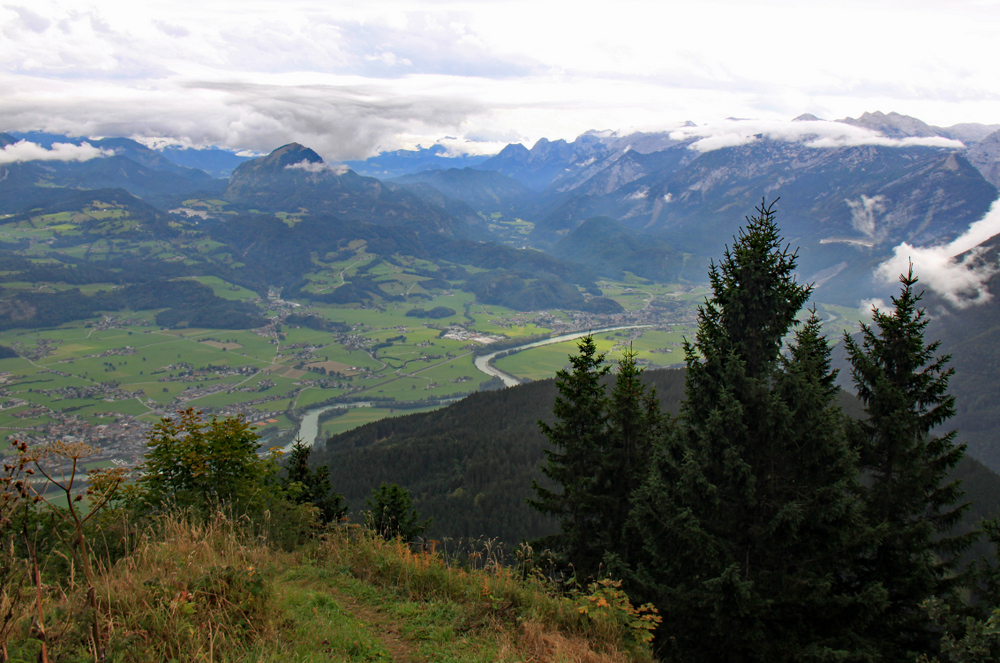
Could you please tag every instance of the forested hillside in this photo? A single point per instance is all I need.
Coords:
(469, 465)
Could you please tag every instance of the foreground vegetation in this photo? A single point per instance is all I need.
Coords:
(217, 554)
(211, 589)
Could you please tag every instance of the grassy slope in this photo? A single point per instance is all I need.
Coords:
(214, 593)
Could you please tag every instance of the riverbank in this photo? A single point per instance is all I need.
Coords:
(485, 362)
(309, 427)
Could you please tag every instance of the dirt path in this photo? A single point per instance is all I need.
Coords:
(385, 627)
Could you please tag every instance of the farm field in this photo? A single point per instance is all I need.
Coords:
(110, 377)
(360, 416)
(127, 369)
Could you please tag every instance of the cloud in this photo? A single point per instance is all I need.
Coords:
(956, 270)
(345, 119)
(867, 305)
(457, 147)
(25, 151)
(318, 167)
(29, 19)
(170, 29)
(474, 68)
(814, 133)
(864, 212)
(390, 59)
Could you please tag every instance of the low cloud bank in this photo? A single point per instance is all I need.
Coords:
(962, 282)
(813, 133)
(318, 167)
(25, 151)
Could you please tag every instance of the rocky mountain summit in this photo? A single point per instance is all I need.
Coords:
(295, 179)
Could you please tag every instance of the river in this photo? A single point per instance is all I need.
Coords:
(309, 427)
(483, 361)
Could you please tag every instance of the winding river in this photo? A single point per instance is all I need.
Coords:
(309, 427)
(483, 361)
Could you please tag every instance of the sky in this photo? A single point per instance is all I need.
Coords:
(350, 79)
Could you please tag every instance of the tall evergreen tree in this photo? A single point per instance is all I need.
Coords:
(903, 387)
(748, 516)
(635, 425)
(573, 459)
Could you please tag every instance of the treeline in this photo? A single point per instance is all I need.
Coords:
(317, 322)
(435, 313)
(188, 303)
(432, 454)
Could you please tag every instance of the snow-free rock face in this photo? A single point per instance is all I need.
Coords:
(548, 162)
(847, 206)
(985, 156)
(894, 125)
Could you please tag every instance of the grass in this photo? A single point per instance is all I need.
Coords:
(197, 590)
(359, 416)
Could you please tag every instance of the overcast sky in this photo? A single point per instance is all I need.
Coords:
(352, 78)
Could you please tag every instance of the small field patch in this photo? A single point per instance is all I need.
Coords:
(222, 346)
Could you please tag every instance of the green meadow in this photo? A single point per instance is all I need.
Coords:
(125, 363)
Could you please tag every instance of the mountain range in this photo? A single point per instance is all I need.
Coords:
(542, 224)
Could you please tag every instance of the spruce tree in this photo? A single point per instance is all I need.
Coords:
(635, 425)
(312, 485)
(748, 516)
(573, 458)
(903, 386)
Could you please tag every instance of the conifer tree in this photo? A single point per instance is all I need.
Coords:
(312, 485)
(391, 513)
(903, 387)
(573, 459)
(606, 444)
(635, 425)
(748, 516)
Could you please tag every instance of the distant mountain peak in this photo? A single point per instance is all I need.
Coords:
(513, 150)
(293, 153)
(894, 125)
(807, 117)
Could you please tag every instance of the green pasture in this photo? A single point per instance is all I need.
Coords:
(359, 416)
(403, 371)
(542, 362)
(224, 289)
(840, 319)
(310, 396)
(294, 334)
